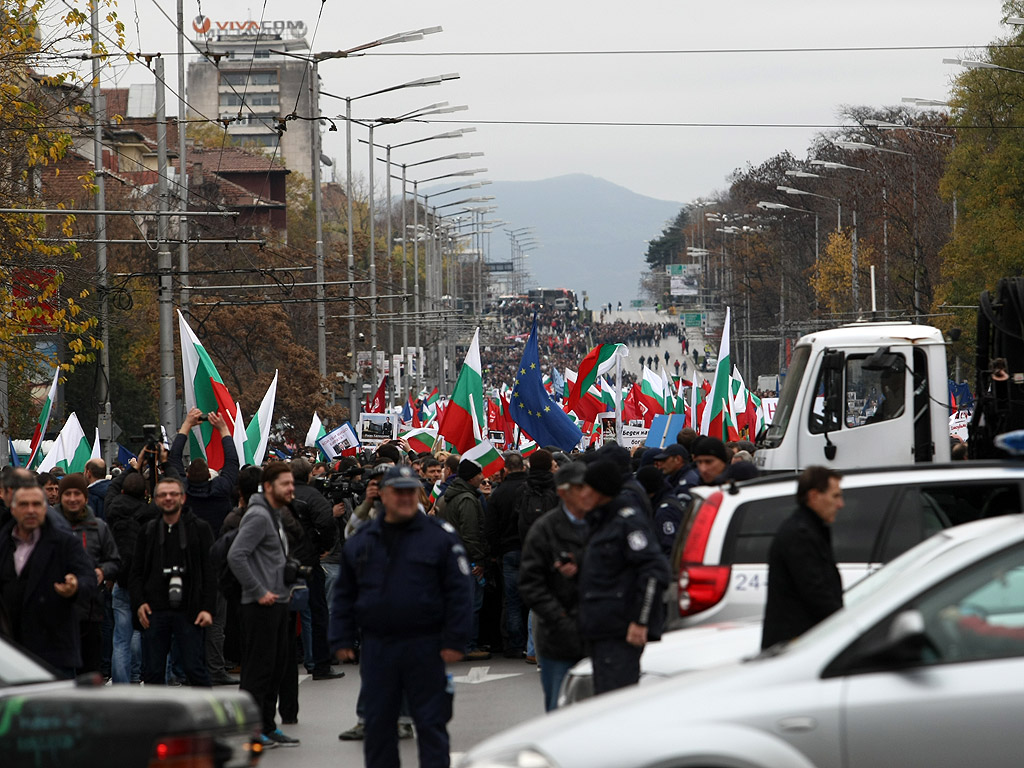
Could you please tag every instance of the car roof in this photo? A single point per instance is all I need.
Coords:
(951, 471)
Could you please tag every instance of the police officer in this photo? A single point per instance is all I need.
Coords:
(404, 582)
(623, 577)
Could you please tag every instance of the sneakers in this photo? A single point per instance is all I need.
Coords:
(265, 742)
(405, 730)
(281, 739)
(356, 733)
(478, 655)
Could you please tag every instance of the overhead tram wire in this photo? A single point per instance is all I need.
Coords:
(704, 51)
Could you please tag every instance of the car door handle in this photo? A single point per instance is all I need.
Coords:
(797, 724)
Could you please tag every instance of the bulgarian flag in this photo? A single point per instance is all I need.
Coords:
(649, 396)
(713, 422)
(316, 431)
(420, 440)
(35, 456)
(465, 410)
(258, 432)
(609, 396)
(588, 404)
(71, 450)
(204, 389)
(598, 361)
(435, 493)
(528, 448)
(238, 435)
(485, 456)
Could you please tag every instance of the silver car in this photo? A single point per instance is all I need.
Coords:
(724, 642)
(924, 669)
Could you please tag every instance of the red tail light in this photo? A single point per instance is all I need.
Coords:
(183, 752)
(701, 586)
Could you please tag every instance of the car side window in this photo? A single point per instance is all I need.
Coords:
(979, 613)
(915, 517)
(855, 532)
(858, 526)
(964, 502)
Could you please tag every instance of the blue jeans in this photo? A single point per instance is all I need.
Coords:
(552, 672)
(530, 650)
(126, 658)
(330, 575)
(306, 617)
(513, 603)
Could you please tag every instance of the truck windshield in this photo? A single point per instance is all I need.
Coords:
(787, 399)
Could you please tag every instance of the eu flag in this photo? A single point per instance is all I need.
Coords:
(532, 407)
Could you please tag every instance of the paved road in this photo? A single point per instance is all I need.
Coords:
(694, 336)
(481, 709)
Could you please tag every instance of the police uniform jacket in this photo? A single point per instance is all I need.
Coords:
(418, 587)
(552, 597)
(623, 576)
(803, 581)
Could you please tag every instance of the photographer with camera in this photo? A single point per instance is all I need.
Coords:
(173, 586)
(259, 558)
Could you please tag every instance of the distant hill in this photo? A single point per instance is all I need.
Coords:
(591, 231)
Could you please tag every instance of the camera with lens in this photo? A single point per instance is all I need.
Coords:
(175, 590)
(342, 486)
(294, 571)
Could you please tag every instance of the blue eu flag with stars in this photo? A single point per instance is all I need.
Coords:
(532, 407)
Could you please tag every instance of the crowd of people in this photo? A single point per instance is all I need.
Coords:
(170, 573)
(563, 339)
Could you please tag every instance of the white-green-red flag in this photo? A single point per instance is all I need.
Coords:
(204, 389)
(35, 456)
(465, 408)
(598, 362)
(316, 431)
(238, 435)
(420, 439)
(258, 432)
(71, 450)
(716, 413)
(485, 456)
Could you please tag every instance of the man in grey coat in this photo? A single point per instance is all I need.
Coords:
(257, 558)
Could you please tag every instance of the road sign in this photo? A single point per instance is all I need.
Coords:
(693, 320)
(636, 303)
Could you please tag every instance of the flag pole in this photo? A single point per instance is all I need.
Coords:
(618, 400)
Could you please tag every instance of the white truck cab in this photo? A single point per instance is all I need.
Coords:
(862, 395)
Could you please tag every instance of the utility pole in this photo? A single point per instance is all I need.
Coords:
(321, 314)
(165, 295)
(105, 420)
(182, 172)
(356, 390)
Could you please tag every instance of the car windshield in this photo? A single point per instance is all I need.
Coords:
(871, 584)
(787, 399)
(18, 669)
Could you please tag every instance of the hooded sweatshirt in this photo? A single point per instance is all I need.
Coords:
(257, 555)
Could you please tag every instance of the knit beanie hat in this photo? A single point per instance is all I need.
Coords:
(710, 446)
(468, 470)
(74, 481)
(605, 477)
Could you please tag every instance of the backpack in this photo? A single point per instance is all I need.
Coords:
(227, 583)
(531, 504)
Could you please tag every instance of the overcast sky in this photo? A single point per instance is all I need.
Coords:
(672, 163)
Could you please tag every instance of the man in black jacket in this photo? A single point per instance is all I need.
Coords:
(501, 529)
(624, 576)
(43, 570)
(803, 581)
(173, 586)
(315, 513)
(548, 580)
